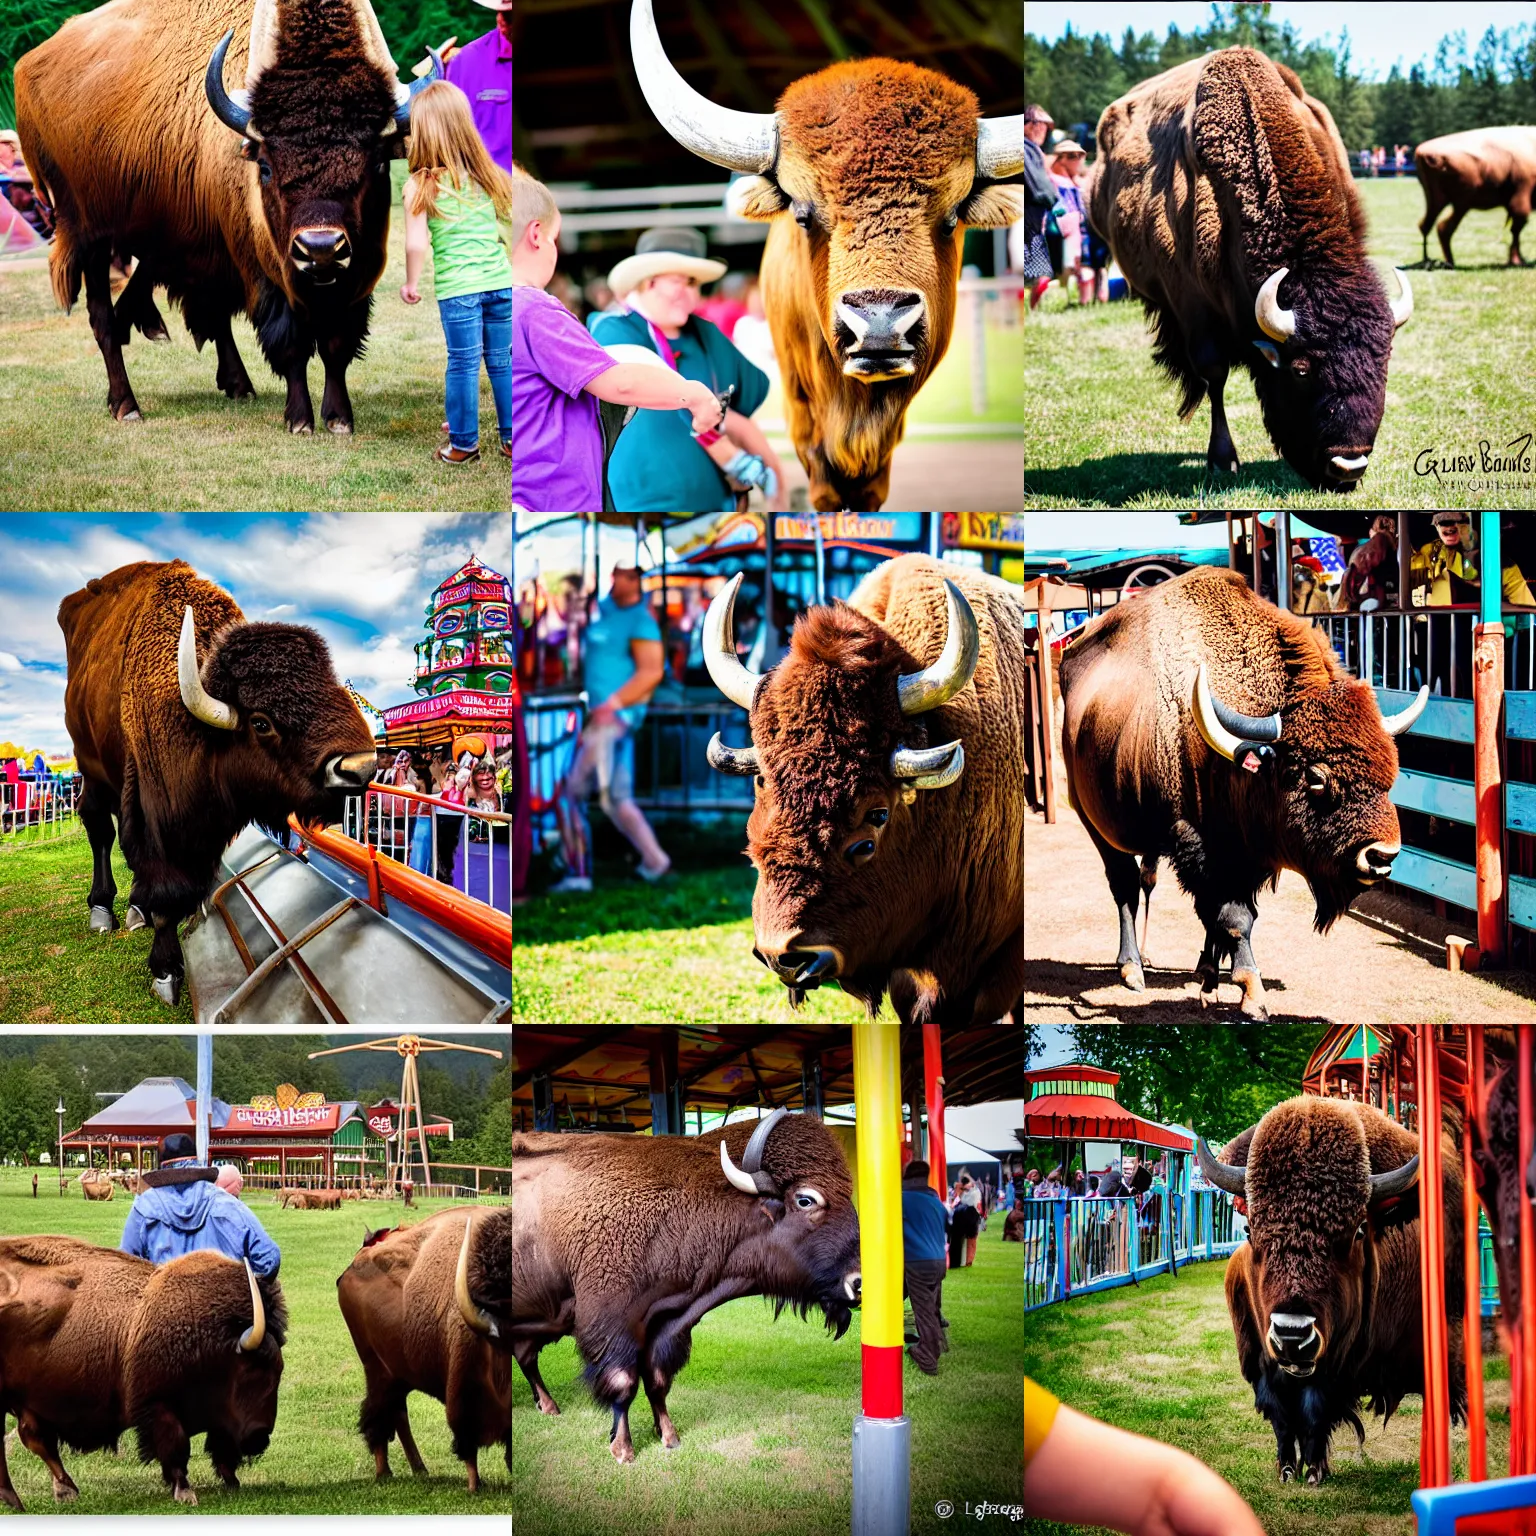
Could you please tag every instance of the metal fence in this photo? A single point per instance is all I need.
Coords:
(1402, 651)
(38, 810)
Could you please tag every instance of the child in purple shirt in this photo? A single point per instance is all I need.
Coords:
(559, 373)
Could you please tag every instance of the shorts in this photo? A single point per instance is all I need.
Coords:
(1071, 251)
(607, 756)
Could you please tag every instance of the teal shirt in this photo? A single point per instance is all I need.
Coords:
(657, 466)
(610, 663)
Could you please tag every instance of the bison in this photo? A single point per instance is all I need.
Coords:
(427, 1310)
(272, 201)
(186, 752)
(888, 824)
(94, 1342)
(1324, 1295)
(1224, 192)
(1161, 763)
(1482, 168)
(97, 1186)
(681, 1229)
(868, 174)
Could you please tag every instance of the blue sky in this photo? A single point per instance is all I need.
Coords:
(361, 579)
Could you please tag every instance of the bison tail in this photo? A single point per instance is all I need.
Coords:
(64, 268)
(1353, 1420)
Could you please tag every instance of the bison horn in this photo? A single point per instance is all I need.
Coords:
(403, 110)
(228, 106)
(251, 1339)
(929, 767)
(725, 669)
(467, 1308)
(1402, 305)
(209, 710)
(750, 1178)
(1395, 1182)
(938, 684)
(1220, 726)
(1276, 323)
(999, 146)
(1227, 1176)
(1395, 725)
(724, 759)
(740, 141)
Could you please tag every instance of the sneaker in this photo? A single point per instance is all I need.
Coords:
(570, 885)
(654, 875)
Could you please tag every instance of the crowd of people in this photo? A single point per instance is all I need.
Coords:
(471, 774)
(1376, 161)
(1059, 239)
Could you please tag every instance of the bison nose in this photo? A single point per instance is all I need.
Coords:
(1295, 1341)
(796, 963)
(354, 771)
(878, 330)
(853, 1286)
(321, 245)
(1374, 861)
(1348, 467)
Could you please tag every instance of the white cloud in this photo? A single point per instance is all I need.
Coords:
(9, 663)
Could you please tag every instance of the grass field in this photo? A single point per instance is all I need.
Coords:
(1104, 431)
(1159, 1360)
(317, 1462)
(194, 449)
(765, 1411)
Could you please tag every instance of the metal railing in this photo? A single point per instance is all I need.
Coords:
(38, 810)
(1402, 651)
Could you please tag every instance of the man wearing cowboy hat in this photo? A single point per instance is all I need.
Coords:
(182, 1209)
(483, 71)
(658, 464)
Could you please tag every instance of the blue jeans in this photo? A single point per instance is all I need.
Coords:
(477, 325)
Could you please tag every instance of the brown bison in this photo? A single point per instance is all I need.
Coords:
(96, 1186)
(1482, 168)
(1224, 192)
(427, 1313)
(1501, 1184)
(1324, 1295)
(94, 1342)
(868, 173)
(1161, 763)
(888, 828)
(681, 1229)
(272, 201)
(186, 752)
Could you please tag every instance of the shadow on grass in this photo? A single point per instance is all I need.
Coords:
(1118, 478)
(620, 902)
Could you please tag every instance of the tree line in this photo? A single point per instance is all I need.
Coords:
(1464, 86)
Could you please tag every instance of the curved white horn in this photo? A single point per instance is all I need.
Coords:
(209, 710)
(929, 767)
(467, 1308)
(938, 684)
(740, 141)
(999, 146)
(1217, 737)
(1276, 323)
(739, 1180)
(252, 1337)
(1395, 725)
(725, 668)
(1402, 305)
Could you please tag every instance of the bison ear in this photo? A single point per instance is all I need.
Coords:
(993, 206)
(756, 197)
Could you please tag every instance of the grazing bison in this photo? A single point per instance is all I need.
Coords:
(427, 1314)
(96, 1186)
(1224, 192)
(888, 828)
(186, 753)
(868, 174)
(1482, 168)
(94, 1342)
(272, 201)
(1160, 763)
(681, 1229)
(1324, 1295)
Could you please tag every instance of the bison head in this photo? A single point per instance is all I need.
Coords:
(1309, 1189)
(322, 114)
(838, 756)
(1322, 380)
(880, 164)
(290, 737)
(1331, 756)
(482, 1279)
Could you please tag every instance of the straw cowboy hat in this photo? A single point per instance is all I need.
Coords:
(495, 5)
(664, 250)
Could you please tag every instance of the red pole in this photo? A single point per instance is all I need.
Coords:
(1435, 1436)
(933, 1092)
(1488, 786)
(1047, 700)
(1472, 1324)
(1523, 1407)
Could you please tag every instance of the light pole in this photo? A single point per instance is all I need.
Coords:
(59, 1111)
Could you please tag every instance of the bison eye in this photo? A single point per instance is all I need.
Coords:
(878, 817)
(1319, 777)
(950, 222)
(1301, 367)
(861, 852)
(809, 1199)
(262, 726)
(805, 214)
(264, 170)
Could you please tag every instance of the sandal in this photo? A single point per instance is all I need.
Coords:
(448, 454)
(506, 449)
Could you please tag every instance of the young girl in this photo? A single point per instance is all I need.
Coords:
(453, 198)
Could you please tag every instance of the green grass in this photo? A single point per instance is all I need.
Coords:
(765, 1411)
(196, 450)
(679, 952)
(53, 969)
(1463, 370)
(1159, 1360)
(317, 1462)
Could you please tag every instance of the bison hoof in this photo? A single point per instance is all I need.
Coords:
(184, 1495)
(65, 1493)
(11, 1500)
(623, 1454)
(552, 1408)
(133, 920)
(1254, 1010)
(103, 920)
(131, 413)
(301, 428)
(1315, 1477)
(340, 428)
(1287, 1473)
(167, 989)
(1131, 974)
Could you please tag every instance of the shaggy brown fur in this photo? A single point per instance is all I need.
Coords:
(96, 1188)
(1483, 168)
(398, 1300)
(1316, 1246)
(883, 153)
(1502, 1184)
(1146, 785)
(94, 1342)
(630, 1274)
(936, 918)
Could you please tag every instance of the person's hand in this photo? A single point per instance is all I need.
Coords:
(410, 293)
(708, 414)
(605, 714)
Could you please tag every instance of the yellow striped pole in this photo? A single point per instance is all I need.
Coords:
(881, 1434)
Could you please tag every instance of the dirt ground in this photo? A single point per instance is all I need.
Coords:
(939, 474)
(1363, 971)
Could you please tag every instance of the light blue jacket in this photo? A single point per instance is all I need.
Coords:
(181, 1218)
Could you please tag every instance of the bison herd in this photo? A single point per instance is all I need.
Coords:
(95, 1342)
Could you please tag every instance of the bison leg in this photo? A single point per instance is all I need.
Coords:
(136, 307)
(231, 376)
(1433, 203)
(95, 808)
(619, 1442)
(165, 961)
(162, 1438)
(44, 1444)
(1516, 224)
(382, 1414)
(526, 1353)
(657, 1384)
(1148, 885)
(1228, 925)
(1221, 452)
(8, 1495)
(1447, 229)
(287, 344)
(1124, 876)
(408, 1443)
(336, 352)
(96, 262)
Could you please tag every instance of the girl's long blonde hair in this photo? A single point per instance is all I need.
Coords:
(445, 143)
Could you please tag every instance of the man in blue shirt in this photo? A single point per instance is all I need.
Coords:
(623, 663)
(923, 1223)
(182, 1210)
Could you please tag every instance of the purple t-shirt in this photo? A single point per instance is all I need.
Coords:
(557, 439)
(483, 71)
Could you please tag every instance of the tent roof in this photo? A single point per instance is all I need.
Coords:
(1090, 1117)
(158, 1104)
